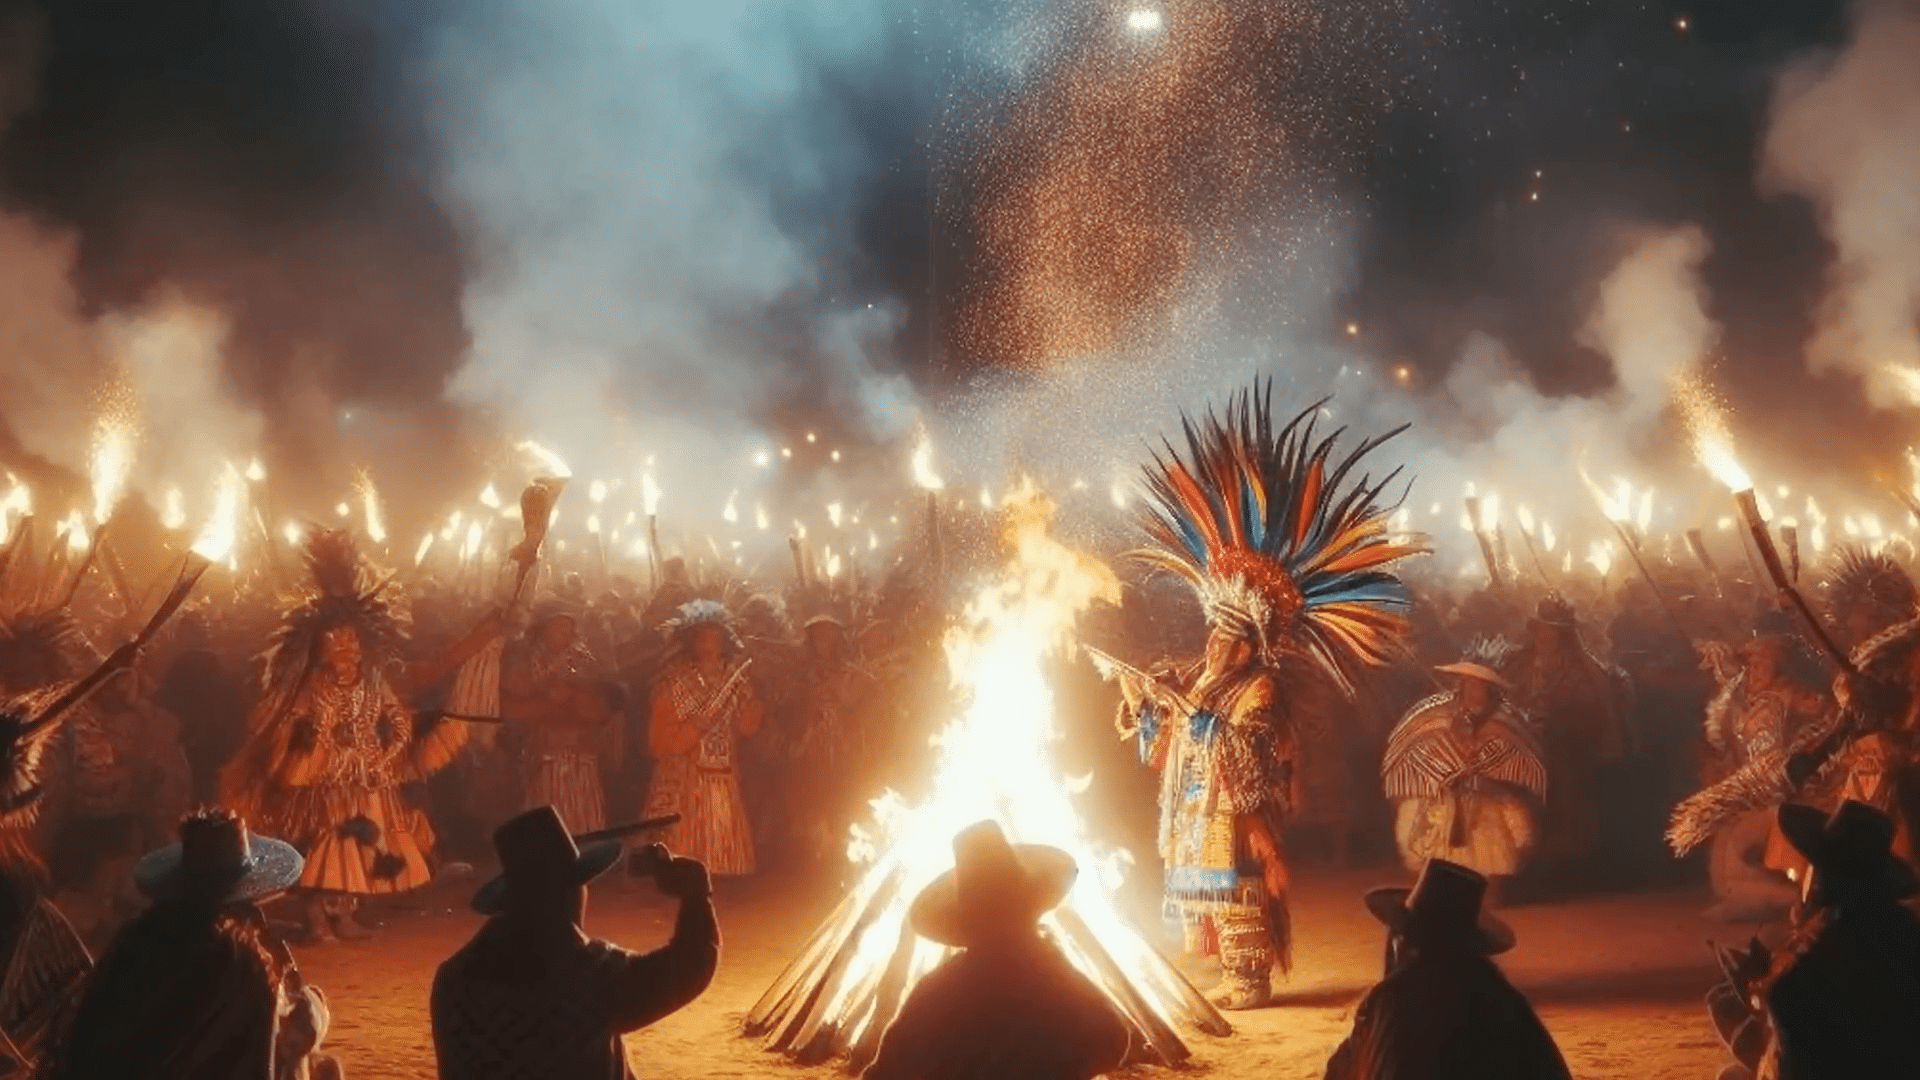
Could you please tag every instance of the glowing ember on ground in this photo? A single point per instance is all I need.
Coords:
(995, 760)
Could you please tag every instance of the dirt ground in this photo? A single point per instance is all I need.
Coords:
(1619, 981)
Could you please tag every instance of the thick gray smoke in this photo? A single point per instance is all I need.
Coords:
(1846, 135)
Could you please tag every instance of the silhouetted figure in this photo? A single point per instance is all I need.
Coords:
(1445, 1011)
(1008, 1004)
(198, 686)
(531, 995)
(1848, 1006)
(197, 987)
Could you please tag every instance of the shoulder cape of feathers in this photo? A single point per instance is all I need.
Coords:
(341, 591)
(1280, 536)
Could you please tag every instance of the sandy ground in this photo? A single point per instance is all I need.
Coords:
(1618, 980)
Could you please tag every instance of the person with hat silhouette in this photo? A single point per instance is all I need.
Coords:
(532, 995)
(197, 985)
(1444, 1011)
(1848, 1003)
(1008, 1004)
(1466, 771)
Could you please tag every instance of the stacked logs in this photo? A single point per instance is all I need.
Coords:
(835, 1000)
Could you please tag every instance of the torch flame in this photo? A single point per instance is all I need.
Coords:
(649, 494)
(597, 492)
(548, 460)
(489, 497)
(216, 540)
(731, 512)
(173, 510)
(74, 528)
(1706, 422)
(256, 472)
(420, 552)
(112, 464)
(833, 514)
(923, 475)
(370, 507)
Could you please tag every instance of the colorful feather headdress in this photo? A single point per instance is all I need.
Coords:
(1284, 544)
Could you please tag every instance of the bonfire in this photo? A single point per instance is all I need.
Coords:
(995, 760)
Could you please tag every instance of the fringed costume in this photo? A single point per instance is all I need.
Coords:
(43, 962)
(332, 740)
(566, 725)
(1290, 556)
(699, 710)
(1467, 786)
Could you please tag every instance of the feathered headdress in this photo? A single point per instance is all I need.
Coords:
(697, 613)
(42, 647)
(342, 591)
(1283, 544)
(1863, 578)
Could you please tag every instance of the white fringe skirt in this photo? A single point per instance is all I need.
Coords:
(713, 826)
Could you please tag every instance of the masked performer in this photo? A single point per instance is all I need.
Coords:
(703, 702)
(1467, 772)
(333, 738)
(1289, 557)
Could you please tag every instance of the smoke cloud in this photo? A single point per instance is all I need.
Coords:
(1846, 135)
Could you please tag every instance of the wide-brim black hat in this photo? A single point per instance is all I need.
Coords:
(993, 882)
(538, 844)
(1854, 843)
(269, 866)
(1446, 899)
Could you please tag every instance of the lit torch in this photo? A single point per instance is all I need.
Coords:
(1713, 445)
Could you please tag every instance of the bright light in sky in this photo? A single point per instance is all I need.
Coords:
(1143, 19)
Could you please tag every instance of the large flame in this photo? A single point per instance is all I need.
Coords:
(923, 474)
(997, 760)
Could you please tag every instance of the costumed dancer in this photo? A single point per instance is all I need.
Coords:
(1289, 555)
(1766, 698)
(565, 718)
(45, 960)
(198, 985)
(333, 739)
(702, 703)
(1866, 593)
(1444, 1011)
(1467, 772)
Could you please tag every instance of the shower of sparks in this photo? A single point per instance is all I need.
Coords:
(1706, 422)
(1114, 192)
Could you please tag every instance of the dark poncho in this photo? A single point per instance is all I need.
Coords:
(183, 993)
(1447, 1017)
(1849, 1006)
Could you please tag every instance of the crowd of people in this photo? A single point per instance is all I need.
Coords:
(1509, 741)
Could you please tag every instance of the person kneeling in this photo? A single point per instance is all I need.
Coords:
(197, 985)
(1008, 1004)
